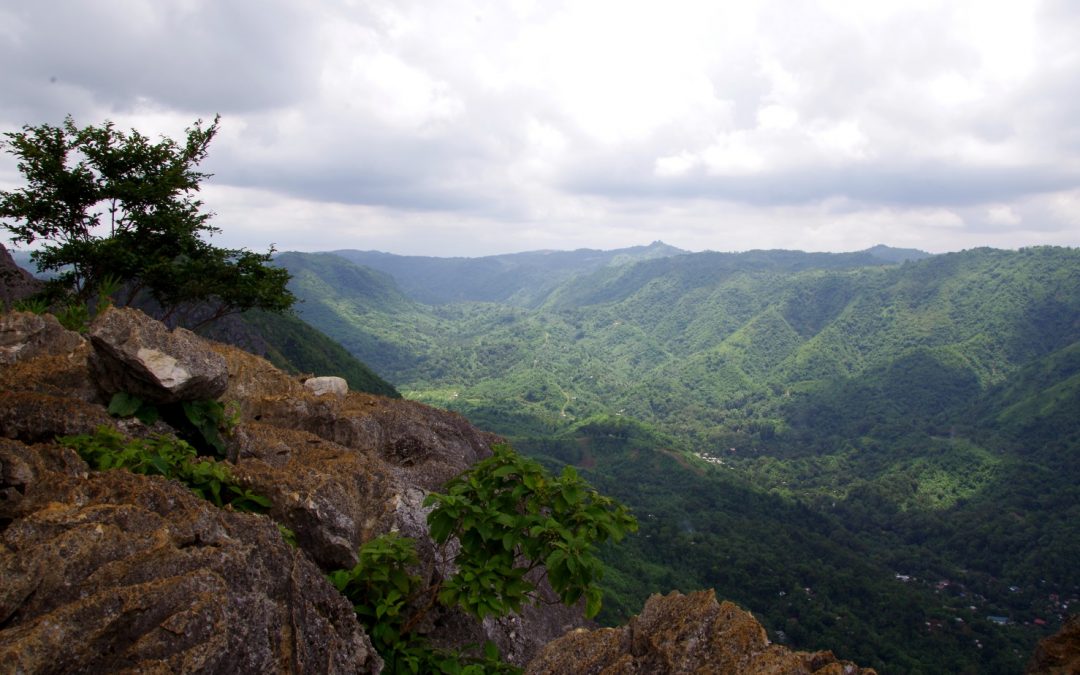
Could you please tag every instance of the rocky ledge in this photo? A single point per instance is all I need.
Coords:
(113, 572)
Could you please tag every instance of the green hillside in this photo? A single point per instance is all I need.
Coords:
(295, 346)
(887, 413)
(523, 279)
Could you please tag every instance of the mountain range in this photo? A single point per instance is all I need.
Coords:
(874, 451)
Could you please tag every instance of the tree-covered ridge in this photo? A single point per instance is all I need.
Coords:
(523, 279)
(920, 415)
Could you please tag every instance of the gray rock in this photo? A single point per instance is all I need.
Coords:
(138, 355)
(25, 336)
(327, 385)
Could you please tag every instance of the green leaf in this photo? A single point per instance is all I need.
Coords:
(123, 404)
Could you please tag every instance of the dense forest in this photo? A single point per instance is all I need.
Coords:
(875, 452)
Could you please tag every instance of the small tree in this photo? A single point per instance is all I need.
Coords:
(114, 205)
(508, 516)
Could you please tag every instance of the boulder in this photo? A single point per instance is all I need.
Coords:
(116, 572)
(25, 336)
(429, 445)
(32, 417)
(683, 634)
(327, 385)
(138, 355)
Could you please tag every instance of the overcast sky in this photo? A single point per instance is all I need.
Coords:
(470, 128)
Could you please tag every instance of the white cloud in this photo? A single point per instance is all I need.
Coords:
(471, 126)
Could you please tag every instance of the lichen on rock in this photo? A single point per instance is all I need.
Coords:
(679, 633)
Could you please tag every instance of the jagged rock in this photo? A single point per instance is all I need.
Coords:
(683, 634)
(25, 336)
(1058, 654)
(429, 445)
(31, 417)
(327, 385)
(338, 471)
(332, 497)
(138, 355)
(111, 572)
(15, 282)
(63, 375)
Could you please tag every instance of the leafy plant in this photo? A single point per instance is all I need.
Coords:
(200, 421)
(381, 588)
(124, 404)
(508, 508)
(503, 509)
(107, 449)
(209, 418)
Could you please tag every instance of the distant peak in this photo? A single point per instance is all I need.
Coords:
(891, 254)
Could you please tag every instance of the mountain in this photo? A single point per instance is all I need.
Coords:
(911, 410)
(522, 279)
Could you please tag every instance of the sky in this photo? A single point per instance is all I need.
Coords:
(461, 128)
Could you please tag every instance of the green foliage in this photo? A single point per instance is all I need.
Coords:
(168, 457)
(381, 587)
(35, 305)
(123, 404)
(507, 508)
(201, 421)
(209, 418)
(113, 207)
(503, 509)
(298, 347)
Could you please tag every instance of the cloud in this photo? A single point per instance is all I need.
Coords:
(467, 126)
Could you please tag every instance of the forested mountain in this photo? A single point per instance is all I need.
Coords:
(522, 279)
(874, 451)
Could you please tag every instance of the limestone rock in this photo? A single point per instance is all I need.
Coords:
(429, 445)
(683, 634)
(332, 497)
(32, 417)
(25, 336)
(327, 385)
(1058, 654)
(111, 571)
(138, 355)
(338, 470)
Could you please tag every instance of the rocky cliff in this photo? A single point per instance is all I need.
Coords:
(112, 571)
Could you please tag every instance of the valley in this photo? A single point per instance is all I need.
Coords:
(875, 452)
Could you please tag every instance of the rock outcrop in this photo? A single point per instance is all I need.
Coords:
(116, 572)
(152, 578)
(1058, 654)
(683, 634)
(140, 356)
